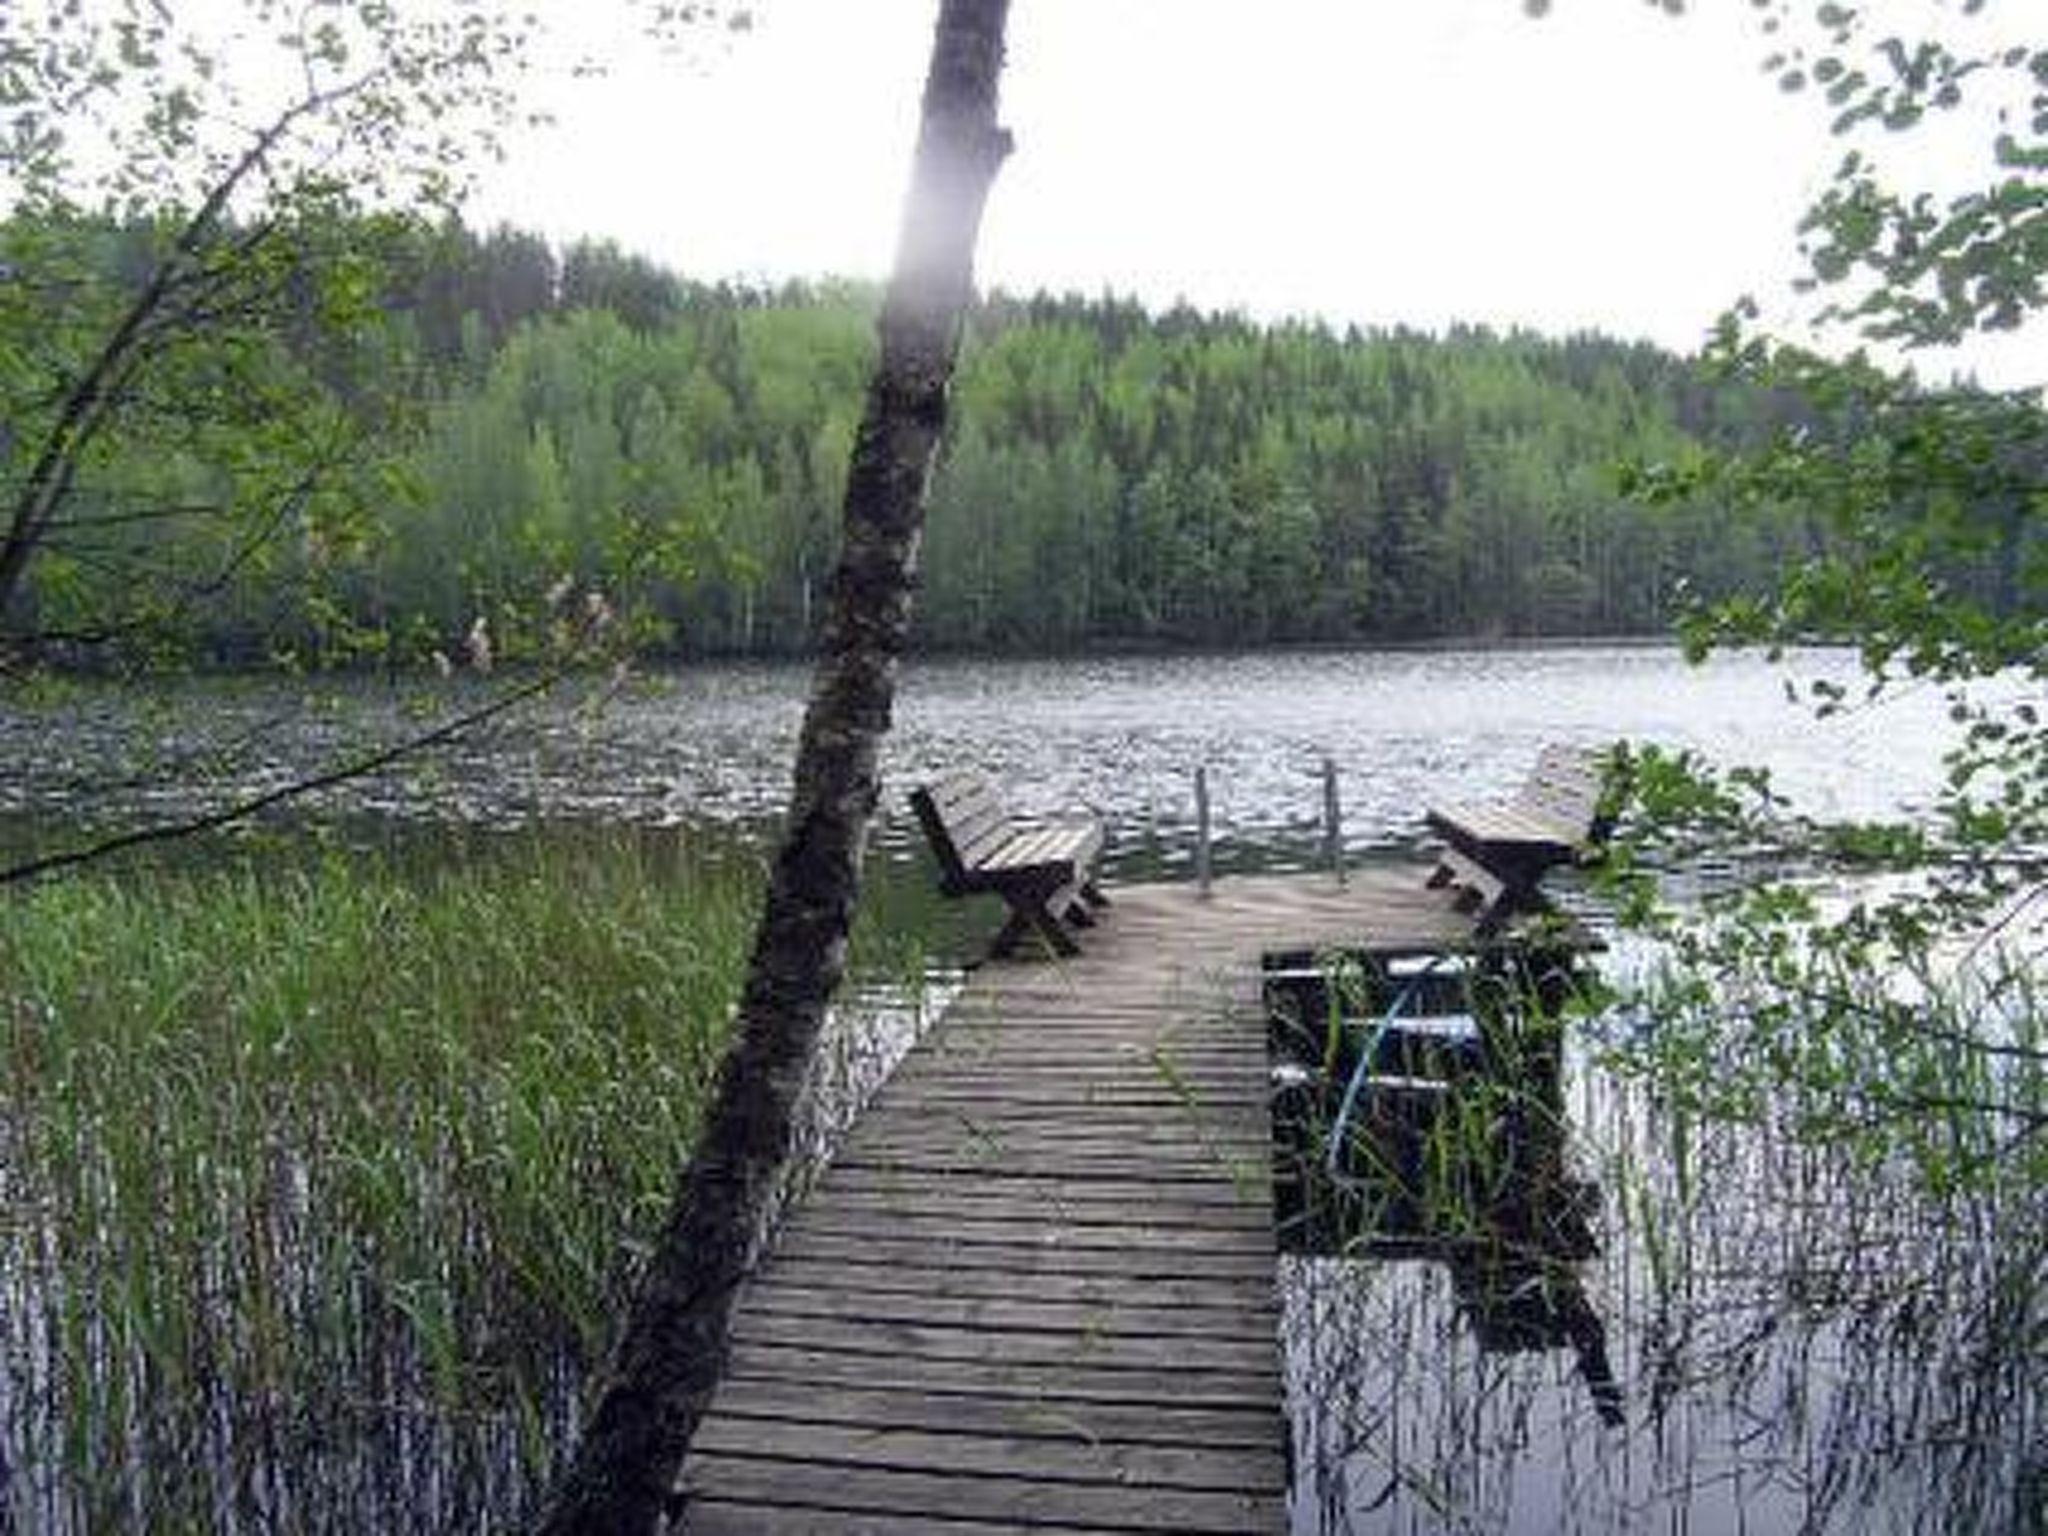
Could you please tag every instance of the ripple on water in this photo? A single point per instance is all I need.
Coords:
(712, 743)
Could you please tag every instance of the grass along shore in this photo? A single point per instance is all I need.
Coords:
(324, 1177)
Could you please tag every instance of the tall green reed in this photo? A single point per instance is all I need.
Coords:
(325, 1177)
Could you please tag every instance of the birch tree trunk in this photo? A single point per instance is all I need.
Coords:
(672, 1352)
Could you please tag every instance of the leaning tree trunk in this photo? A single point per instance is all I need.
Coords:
(670, 1357)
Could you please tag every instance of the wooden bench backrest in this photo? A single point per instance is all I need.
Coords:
(1568, 787)
(961, 815)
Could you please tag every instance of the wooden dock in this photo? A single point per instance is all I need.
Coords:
(1035, 1289)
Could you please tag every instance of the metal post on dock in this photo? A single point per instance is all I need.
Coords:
(1333, 821)
(1202, 826)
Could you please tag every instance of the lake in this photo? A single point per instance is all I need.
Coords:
(709, 746)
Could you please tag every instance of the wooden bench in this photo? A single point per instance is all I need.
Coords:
(1500, 850)
(1045, 871)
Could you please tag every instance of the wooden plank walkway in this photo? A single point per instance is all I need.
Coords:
(1035, 1289)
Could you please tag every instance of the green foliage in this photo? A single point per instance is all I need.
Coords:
(1901, 1014)
(229, 465)
(194, 365)
(1114, 477)
(1908, 261)
(1117, 477)
(210, 397)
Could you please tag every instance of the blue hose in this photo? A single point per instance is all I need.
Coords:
(1365, 1059)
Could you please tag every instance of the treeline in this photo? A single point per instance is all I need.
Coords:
(1115, 476)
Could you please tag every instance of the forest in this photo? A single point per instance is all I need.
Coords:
(525, 422)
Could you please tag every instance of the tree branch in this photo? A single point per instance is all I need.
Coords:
(88, 402)
(241, 810)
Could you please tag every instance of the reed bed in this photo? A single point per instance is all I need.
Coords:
(324, 1177)
(1765, 1324)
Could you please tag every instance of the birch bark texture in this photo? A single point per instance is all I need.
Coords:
(671, 1354)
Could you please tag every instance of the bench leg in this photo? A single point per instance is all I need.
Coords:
(1029, 913)
(1079, 902)
(1516, 901)
(1007, 937)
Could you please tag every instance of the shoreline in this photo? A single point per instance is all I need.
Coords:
(669, 662)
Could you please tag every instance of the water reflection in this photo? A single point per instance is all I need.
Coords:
(1446, 1144)
(1535, 1298)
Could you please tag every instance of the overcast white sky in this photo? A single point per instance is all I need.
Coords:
(1379, 161)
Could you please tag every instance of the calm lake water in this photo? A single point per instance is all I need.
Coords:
(710, 745)
(1794, 1348)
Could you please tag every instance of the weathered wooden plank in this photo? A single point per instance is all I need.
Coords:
(1135, 1188)
(1053, 1231)
(1026, 1017)
(1247, 1173)
(1068, 1048)
(889, 1490)
(1241, 1098)
(1062, 1062)
(1503, 822)
(1026, 1020)
(961, 784)
(1217, 1072)
(1031, 846)
(1176, 1124)
(1056, 1075)
(1232, 1292)
(1038, 1381)
(994, 1124)
(1010, 1199)
(1100, 1347)
(994, 1141)
(950, 1452)
(1026, 1260)
(1066, 1100)
(722, 1517)
(980, 836)
(1059, 1151)
(1237, 1296)
(1247, 1176)
(1128, 1036)
(1087, 1319)
(1025, 1023)
(1166, 1229)
(1135, 1123)
(1060, 1087)
(1242, 1428)
(1474, 888)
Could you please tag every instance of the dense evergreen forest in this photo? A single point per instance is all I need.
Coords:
(1117, 477)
